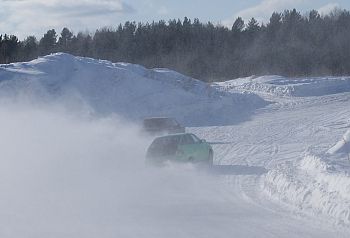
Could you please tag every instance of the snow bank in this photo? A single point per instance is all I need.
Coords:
(312, 185)
(128, 90)
(282, 86)
(342, 147)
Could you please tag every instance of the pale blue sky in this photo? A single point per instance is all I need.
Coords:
(35, 17)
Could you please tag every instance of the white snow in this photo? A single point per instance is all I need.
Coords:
(317, 183)
(131, 91)
(312, 185)
(296, 87)
(72, 158)
(292, 138)
(343, 146)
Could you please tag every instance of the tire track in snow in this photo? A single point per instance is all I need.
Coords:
(279, 133)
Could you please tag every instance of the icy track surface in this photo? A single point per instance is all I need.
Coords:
(72, 157)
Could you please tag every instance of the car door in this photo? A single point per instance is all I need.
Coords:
(192, 148)
(187, 148)
(202, 150)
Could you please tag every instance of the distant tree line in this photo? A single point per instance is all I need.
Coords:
(290, 44)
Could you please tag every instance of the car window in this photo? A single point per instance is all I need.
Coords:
(165, 141)
(174, 122)
(187, 139)
(164, 145)
(154, 122)
(159, 123)
(195, 139)
(169, 122)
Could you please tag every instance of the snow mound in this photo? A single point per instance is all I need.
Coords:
(312, 185)
(128, 90)
(291, 87)
(342, 147)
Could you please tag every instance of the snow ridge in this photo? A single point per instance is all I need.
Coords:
(129, 90)
(342, 147)
(289, 87)
(312, 185)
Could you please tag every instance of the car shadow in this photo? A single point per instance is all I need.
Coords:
(238, 170)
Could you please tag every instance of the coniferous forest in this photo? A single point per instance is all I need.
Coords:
(289, 44)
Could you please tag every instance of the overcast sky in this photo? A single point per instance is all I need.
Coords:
(35, 17)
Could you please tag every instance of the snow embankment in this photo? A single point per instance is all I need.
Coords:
(342, 147)
(318, 183)
(290, 87)
(128, 90)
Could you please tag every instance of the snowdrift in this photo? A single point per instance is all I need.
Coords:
(317, 183)
(131, 91)
(295, 87)
(342, 147)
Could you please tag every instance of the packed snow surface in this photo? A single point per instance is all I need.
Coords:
(303, 140)
(72, 157)
(343, 146)
(297, 87)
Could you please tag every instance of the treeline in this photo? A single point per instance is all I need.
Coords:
(290, 44)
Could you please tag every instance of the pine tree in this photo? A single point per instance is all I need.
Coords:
(238, 25)
(47, 44)
(65, 40)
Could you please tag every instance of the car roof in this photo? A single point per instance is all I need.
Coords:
(174, 135)
(150, 118)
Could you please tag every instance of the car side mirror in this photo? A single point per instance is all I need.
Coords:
(203, 141)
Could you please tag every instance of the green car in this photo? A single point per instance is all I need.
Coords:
(184, 147)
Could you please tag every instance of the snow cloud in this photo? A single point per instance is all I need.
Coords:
(37, 16)
(67, 174)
